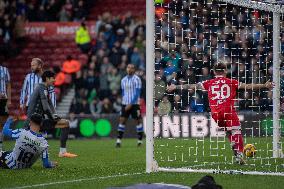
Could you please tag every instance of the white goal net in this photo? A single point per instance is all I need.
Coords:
(191, 36)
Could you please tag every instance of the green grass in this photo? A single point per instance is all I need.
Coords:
(99, 159)
(212, 154)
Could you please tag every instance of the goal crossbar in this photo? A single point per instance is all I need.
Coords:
(256, 5)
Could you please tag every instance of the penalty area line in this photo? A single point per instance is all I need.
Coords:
(75, 180)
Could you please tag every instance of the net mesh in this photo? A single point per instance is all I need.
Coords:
(190, 37)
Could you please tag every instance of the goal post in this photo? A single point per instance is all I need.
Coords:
(150, 62)
(185, 158)
(277, 148)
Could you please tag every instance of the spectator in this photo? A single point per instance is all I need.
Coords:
(80, 12)
(84, 108)
(160, 87)
(205, 75)
(83, 38)
(91, 82)
(105, 107)
(63, 15)
(116, 54)
(164, 107)
(266, 102)
(114, 79)
(245, 101)
(93, 107)
(71, 66)
(41, 14)
(136, 58)
(177, 104)
(117, 104)
(105, 66)
(104, 86)
(196, 104)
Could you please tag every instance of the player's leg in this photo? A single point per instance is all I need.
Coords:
(3, 118)
(136, 115)
(64, 125)
(234, 133)
(121, 126)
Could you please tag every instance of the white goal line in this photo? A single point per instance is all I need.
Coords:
(214, 171)
(75, 180)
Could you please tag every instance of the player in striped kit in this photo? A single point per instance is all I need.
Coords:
(30, 145)
(31, 80)
(131, 88)
(222, 94)
(5, 99)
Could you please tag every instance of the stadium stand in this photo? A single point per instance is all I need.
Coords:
(190, 59)
(120, 39)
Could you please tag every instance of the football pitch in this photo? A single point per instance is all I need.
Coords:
(100, 165)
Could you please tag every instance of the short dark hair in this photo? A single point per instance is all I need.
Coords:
(47, 74)
(220, 67)
(36, 118)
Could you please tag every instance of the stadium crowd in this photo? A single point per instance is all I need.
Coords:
(201, 34)
(187, 47)
(14, 13)
(119, 41)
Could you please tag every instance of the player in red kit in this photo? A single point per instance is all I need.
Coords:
(222, 94)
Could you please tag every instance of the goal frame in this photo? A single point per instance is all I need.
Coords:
(151, 164)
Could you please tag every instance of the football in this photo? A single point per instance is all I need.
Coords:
(249, 150)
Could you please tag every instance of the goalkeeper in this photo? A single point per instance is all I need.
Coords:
(222, 94)
(40, 103)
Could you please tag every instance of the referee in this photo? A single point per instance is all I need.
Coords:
(30, 82)
(5, 99)
(131, 88)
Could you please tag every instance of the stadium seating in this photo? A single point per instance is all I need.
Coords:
(52, 50)
(118, 7)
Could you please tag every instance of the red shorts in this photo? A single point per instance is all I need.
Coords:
(225, 118)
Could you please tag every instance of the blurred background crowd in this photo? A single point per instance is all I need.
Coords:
(200, 34)
(191, 36)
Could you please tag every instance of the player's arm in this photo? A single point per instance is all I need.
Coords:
(45, 161)
(24, 93)
(7, 131)
(253, 86)
(173, 87)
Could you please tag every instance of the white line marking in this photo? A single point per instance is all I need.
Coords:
(72, 181)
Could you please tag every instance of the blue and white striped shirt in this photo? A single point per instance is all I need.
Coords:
(28, 148)
(4, 80)
(29, 85)
(131, 89)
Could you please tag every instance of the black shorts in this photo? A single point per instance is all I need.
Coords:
(134, 112)
(3, 164)
(3, 107)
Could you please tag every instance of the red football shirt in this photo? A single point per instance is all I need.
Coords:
(221, 93)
